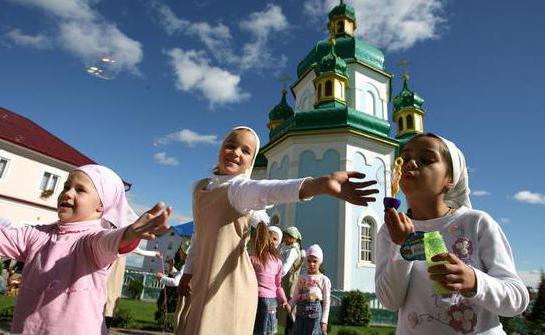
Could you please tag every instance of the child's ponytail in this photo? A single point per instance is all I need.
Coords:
(264, 244)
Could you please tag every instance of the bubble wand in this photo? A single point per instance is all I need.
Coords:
(393, 202)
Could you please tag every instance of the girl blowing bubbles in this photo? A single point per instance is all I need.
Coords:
(223, 283)
(66, 263)
(480, 271)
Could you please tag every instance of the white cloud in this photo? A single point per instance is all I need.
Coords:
(65, 9)
(393, 25)
(188, 137)
(83, 32)
(480, 193)
(505, 220)
(194, 73)
(91, 41)
(218, 39)
(530, 278)
(530, 197)
(34, 41)
(257, 54)
(168, 20)
(163, 159)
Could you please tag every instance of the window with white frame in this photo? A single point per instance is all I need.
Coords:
(49, 182)
(3, 166)
(367, 236)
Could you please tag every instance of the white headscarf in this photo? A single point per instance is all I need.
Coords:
(457, 196)
(254, 216)
(278, 232)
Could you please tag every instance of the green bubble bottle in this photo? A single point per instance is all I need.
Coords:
(435, 245)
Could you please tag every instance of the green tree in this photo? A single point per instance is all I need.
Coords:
(536, 318)
(355, 309)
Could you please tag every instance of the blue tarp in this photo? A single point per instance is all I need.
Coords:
(184, 229)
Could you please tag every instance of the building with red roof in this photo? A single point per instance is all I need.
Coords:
(33, 167)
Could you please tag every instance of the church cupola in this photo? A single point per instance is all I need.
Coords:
(408, 112)
(280, 112)
(331, 78)
(342, 20)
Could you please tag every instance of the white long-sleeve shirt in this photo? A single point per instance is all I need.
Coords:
(478, 241)
(246, 195)
(289, 255)
(172, 281)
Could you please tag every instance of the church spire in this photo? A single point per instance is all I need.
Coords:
(408, 112)
(342, 20)
(331, 78)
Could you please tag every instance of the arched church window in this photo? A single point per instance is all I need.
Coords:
(367, 238)
(400, 124)
(328, 88)
(319, 91)
(410, 122)
(340, 27)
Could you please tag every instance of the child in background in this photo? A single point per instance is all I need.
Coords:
(223, 283)
(66, 263)
(292, 258)
(276, 235)
(312, 296)
(480, 272)
(268, 267)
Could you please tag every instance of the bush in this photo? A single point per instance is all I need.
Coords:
(135, 289)
(347, 331)
(355, 309)
(169, 326)
(7, 312)
(122, 318)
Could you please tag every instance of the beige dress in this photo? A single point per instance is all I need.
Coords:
(114, 285)
(224, 284)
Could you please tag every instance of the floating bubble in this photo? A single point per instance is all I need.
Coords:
(103, 69)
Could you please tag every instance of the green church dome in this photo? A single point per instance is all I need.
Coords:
(347, 48)
(282, 111)
(407, 97)
(343, 10)
(331, 62)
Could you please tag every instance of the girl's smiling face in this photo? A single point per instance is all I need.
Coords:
(427, 171)
(237, 152)
(79, 200)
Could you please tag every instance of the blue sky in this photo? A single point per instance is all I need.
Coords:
(187, 71)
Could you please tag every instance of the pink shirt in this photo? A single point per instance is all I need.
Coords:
(63, 288)
(313, 288)
(269, 279)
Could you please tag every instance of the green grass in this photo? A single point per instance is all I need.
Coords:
(6, 301)
(143, 313)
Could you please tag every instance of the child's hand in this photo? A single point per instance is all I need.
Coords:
(159, 275)
(323, 326)
(455, 276)
(150, 223)
(158, 254)
(399, 225)
(338, 184)
(286, 306)
(184, 287)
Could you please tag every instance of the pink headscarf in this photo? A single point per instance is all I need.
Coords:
(111, 191)
(316, 251)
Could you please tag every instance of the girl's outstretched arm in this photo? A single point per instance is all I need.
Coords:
(15, 242)
(247, 194)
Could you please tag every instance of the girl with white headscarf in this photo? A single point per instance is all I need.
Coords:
(479, 269)
(223, 283)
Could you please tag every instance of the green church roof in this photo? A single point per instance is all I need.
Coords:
(332, 116)
(347, 48)
(407, 97)
(331, 62)
(342, 10)
(281, 111)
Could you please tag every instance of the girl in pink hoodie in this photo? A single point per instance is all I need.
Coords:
(66, 263)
